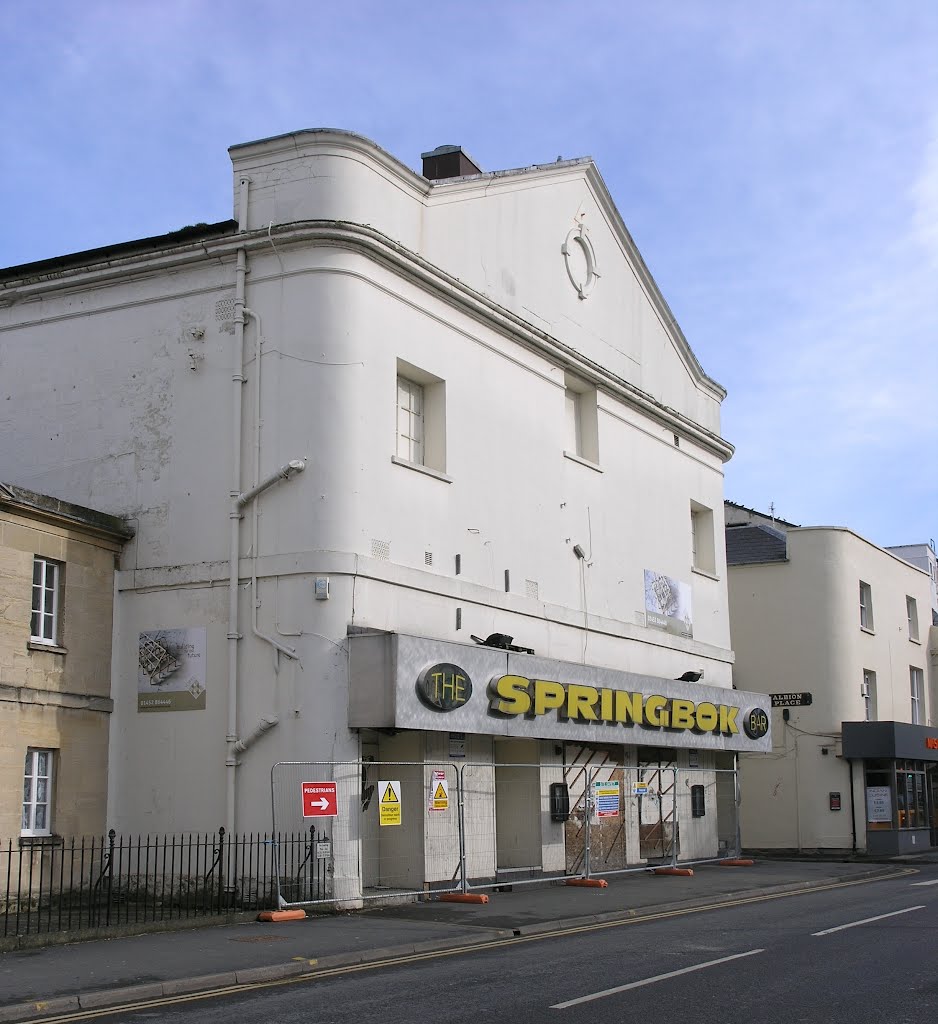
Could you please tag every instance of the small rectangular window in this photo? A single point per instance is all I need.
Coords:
(410, 422)
(911, 611)
(697, 806)
(866, 606)
(868, 695)
(917, 688)
(421, 418)
(703, 556)
(910, 795)
(37, 794)
(46, 604)
(582, 420)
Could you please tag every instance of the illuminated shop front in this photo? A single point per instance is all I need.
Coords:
(895, 771)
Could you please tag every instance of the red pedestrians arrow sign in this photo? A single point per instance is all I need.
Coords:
(319, 800)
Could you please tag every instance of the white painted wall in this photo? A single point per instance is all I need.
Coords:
(501, 234)
(134, 430)
(923, 556)
(796, 628)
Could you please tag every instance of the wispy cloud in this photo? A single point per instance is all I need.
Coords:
(776, 163)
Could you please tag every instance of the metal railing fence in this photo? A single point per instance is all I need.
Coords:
(101, 882)
(442, 828)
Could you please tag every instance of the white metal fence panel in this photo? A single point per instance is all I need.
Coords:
(399, 829)
(389, 828)
(512, 836)
(708, 810)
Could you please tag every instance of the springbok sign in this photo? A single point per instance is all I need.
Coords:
(512, 695)
(405, 682)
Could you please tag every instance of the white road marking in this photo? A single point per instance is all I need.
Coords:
(931, 881)
(868, 920)
(651, 981)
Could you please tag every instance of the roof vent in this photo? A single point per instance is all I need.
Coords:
(448, 162)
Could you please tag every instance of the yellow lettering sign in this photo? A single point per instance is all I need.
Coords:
(581, 702)
(656, 711)
(628, 707)
(682, 714)
(448, 686)
(728, 720)
(548, 695)
(518, 695)
(708, 717)
(511, 695)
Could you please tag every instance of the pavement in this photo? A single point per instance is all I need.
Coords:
(59, 979)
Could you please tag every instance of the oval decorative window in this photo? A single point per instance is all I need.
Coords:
(580, 260)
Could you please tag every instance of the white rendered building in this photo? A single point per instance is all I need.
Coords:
(923, 556)
(839, 630)
(372, 415)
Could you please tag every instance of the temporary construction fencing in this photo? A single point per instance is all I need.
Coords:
(653, 815)
(377, 830)
(376, 839)
(408, 829)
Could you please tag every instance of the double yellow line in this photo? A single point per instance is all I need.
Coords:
(477, 947)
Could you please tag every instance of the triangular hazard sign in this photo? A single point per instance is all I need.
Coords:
(390, 797)
(440, 793)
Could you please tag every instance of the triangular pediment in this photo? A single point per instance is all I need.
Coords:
(549, 244)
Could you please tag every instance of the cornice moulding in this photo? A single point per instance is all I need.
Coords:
(377, 246)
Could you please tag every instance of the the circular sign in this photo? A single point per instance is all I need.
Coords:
(756, 723)
(444, 687)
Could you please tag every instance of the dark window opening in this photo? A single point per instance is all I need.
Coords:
(697, 806)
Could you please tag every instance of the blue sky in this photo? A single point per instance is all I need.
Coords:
(776, 163)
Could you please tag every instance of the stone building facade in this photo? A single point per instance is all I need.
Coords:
(57, 570)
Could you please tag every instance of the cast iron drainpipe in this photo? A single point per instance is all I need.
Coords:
(234, 744)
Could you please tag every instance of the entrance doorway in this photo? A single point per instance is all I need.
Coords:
(657, 828)
(609, 836)
(518, 841)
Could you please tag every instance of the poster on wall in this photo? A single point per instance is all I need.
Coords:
(668, 604)
(171, 670)
(878, 804)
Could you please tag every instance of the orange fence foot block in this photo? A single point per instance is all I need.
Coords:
(281, 915)
(594, 883)
(737, 862)
(464, 897)
(674, 871)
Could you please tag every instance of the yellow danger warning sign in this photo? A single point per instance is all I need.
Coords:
(390, 803)
(439, 792)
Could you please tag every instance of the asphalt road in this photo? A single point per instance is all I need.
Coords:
(864, 953)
